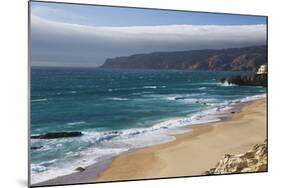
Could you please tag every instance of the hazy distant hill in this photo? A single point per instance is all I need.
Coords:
(248, 58)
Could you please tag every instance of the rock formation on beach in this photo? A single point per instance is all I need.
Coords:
(254, 160)
(57, 135)
(80, 169)
(258, 79)
(235, 59)
(247, 80)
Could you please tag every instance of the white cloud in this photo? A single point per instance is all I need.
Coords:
(57, 14)
(79, 45)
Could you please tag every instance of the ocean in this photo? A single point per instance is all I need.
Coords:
(120, 110)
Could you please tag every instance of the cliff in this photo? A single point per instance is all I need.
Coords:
(255, 160)
(247, 80)
(236, 59)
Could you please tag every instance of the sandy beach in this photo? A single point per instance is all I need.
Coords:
(195, 152)
(191, 154)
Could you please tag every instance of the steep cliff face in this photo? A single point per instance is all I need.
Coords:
(249, 58)
(255, 160)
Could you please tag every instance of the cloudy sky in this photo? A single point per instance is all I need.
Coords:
(84, 36)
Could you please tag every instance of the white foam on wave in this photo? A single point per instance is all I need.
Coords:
(205, 116)
(216, 83)
(142, 93)
(49, 170)
(202, 88)
(122, 89)
(118, 99)
(41, 167)
(255, 97)
(174, 96)
(35, 168)
(107, 143)
(66, 92)
(39, 100)
(226, 84)
(76, 123)
(150, 87)
(185, 98)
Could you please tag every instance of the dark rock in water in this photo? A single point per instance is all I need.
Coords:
(80, 169)
(233, 112)
(180, 98)
(247, 80)
(57, 135)
(113, 132)
(197, 102)
(36, 147)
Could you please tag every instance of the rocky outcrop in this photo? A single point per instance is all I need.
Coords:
(249, 80)
(235, 59)
(255, 160)
(53, 135)
(80, 169)
(36, 147)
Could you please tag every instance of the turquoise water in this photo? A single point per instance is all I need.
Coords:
(118, 110)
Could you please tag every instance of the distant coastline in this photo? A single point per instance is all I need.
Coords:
(230, 59)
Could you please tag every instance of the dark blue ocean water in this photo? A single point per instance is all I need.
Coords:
(118, 110)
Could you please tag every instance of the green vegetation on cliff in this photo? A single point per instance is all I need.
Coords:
(236, 59)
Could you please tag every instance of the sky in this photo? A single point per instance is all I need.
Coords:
(85, 35)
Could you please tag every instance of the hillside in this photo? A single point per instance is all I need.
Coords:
(236, 59)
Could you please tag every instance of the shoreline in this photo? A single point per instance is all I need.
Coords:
(195, 152)
(157, 161)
